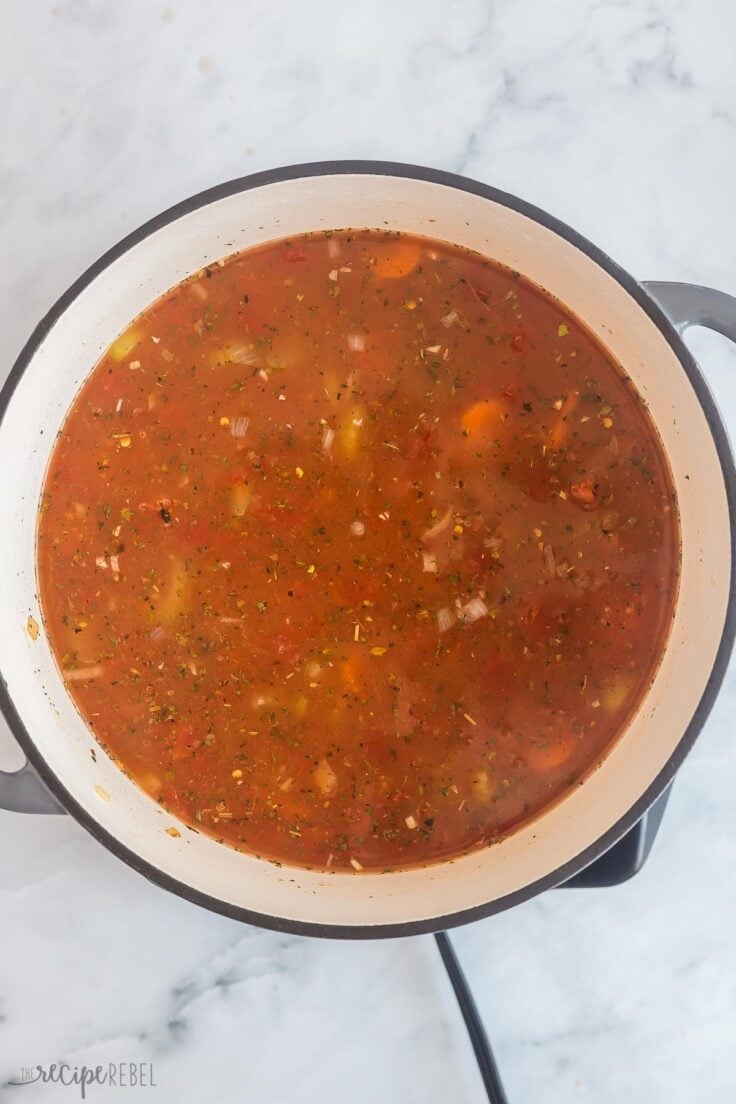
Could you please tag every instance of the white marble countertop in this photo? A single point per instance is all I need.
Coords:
(620, 118)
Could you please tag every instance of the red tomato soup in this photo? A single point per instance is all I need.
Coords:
(357, 551)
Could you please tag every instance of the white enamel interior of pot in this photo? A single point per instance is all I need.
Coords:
(146, 271)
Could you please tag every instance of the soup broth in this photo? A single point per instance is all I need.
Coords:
(357, 551)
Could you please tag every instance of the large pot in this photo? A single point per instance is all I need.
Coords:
(631, 319)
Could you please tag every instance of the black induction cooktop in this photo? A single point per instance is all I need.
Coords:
(625, 858)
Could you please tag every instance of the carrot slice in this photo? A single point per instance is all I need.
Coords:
(548, 756)
(395, 261)
(350, 672)
(481, 417)
(559, 429)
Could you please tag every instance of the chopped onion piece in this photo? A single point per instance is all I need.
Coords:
(449, 319)
(157, 633)
(277, 362)
(439, 528)
(332, 274)
(199, 290)
(240, 353)
(357, 528)
(115, 564)
(119, 406)
(326, 778)
(445, 619)
(231, 620)
(356, 342)
(101, 562)
(429, 561)
(474, 609)
(356, 865)
(549, 558)
(239, 426)
(411, 822)
(333, 248)
(328, 436)
(82, 674)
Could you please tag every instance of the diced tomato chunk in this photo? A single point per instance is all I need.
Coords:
(421, 443)
(182, 740)
(584, 494)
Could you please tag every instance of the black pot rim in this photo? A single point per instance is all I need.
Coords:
(720, 438)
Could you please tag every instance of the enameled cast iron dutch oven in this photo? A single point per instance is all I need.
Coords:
(639, 323)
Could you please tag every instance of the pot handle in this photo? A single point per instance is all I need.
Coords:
(22, 791)
(693, 305)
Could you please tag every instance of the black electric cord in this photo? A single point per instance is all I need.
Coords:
(477, 1032)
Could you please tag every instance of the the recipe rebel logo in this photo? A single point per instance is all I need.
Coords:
(120, 1075)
